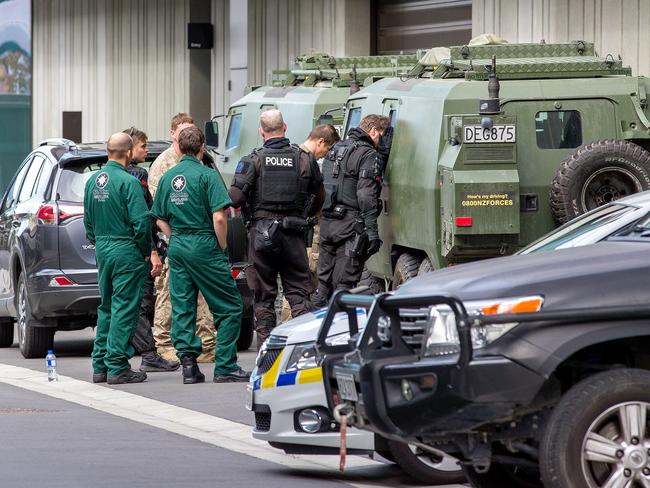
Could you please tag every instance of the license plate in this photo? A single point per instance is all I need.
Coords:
(347, 387)
(249, 397)
(473, 134)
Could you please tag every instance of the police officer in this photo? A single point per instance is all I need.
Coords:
(118, 223)
(280, 186)
(191, 204)
(143, 341)
(349, 234)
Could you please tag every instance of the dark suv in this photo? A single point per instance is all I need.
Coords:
(48, 275)
(532, 370)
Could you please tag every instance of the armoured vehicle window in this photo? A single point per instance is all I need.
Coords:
(392, 115)
(353, 119)
(233, 131)
(579, 227)
(558, 129)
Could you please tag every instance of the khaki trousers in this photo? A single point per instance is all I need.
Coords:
(162, 322)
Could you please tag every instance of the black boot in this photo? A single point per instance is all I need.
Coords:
(191, 372)
(128, 376)
(238, 376)
(152, 362)
(99, 377)
(319, 299)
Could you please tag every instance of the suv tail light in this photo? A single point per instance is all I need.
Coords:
(61, 281)
(47, 214)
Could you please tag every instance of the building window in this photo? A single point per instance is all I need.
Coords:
(233, 131)
(561, 129)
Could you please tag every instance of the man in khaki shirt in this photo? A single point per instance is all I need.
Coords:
(163, 315)
(318, 143)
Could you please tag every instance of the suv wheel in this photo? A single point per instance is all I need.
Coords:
(425, 466)
(598, 434)
(33, 340)
(6, 331)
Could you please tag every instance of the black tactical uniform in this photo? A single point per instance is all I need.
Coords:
(279, 186)
(348, 234)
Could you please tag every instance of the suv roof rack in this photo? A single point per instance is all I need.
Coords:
(59, 141)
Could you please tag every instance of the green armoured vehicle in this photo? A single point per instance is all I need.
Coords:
(567, 131)
(472, 176)
(312, 92)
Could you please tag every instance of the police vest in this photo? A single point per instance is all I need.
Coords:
(278, 187)
(341, 173)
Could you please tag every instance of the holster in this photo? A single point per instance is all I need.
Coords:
(356, 248)
(338, 212)
(267, 237)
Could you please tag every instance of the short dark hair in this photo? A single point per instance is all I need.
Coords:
(136, 134)
(379, 122)
(181, 118)
(327, 132)
(190, 140)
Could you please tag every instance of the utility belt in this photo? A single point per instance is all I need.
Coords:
(268, 232)
(339, 211)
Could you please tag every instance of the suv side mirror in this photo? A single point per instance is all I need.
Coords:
(212, 133)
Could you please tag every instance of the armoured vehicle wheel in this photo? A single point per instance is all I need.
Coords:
(33, 341)
(406, 268)
(598, 435)
(426, 467)
(375, 284)
(596, 174)
(6, 332)
(246, 333)
(425, 267)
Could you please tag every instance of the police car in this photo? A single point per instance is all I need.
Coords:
(287, 396)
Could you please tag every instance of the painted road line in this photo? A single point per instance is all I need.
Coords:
(210, 429)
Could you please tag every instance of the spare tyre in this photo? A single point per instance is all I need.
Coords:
(598, 173)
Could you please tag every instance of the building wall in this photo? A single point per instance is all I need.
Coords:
(120, 62)
(280, 30)
(615, 26)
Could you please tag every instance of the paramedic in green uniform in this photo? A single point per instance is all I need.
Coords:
(190, 206)
(118, 223)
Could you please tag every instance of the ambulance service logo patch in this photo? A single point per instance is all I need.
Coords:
(101, 181)
(178, 183)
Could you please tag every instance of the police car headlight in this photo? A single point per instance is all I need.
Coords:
(302, 357)
(441, 334)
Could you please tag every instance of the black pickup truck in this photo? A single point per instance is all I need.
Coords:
(532, 370)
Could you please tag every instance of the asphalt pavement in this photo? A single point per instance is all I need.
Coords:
(82, 436)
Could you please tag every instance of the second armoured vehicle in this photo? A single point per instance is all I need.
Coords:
(473, 174)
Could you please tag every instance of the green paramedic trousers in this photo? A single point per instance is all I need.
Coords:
(197, 263)
(122, 272)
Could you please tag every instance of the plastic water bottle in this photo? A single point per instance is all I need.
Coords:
(50, 360)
